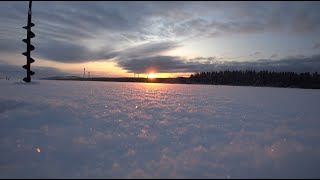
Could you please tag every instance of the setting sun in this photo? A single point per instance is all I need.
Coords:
(152, 75)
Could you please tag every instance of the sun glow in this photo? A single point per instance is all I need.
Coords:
(152, 75)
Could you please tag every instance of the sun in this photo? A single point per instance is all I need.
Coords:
(152, 75)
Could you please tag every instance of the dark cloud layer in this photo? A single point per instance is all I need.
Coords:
(155, 64)
(76, 53)
(63, 27)
(166, 64)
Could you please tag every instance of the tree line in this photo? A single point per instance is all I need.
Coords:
(261, 78)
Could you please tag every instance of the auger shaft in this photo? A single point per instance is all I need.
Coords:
(30, 47)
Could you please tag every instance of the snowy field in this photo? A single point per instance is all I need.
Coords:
(70, 129)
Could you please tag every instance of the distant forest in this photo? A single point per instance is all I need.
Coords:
(261, 78)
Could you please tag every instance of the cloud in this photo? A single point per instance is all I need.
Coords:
(306, 21)
(75, 53)
(316, 46)
(255, 54)
(147, 49)
(165, 64)
(155, 63)
(70, 52)
(274, 55)
(63, 29)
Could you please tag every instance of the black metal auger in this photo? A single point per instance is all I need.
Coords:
(30, 47)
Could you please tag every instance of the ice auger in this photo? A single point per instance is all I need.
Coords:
(30, 47)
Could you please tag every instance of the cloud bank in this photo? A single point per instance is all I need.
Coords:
(166, 64)
(77, 32)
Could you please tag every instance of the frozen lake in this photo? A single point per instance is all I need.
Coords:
(70, 129)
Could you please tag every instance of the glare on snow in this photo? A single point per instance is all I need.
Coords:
(203, 139)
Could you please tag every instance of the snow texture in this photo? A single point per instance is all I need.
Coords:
(70, 129)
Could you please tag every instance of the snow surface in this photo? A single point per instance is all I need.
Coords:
(70, 129)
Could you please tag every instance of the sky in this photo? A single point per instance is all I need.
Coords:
(170, 38)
